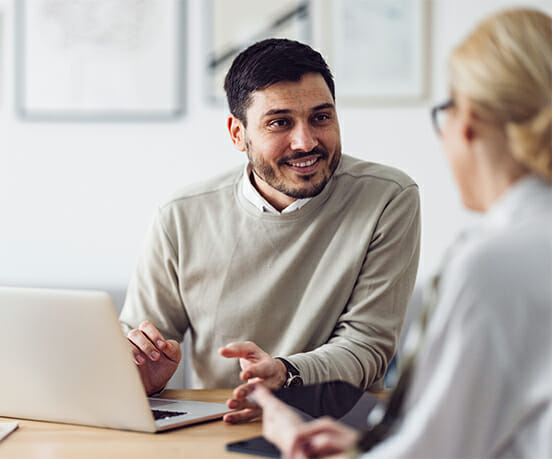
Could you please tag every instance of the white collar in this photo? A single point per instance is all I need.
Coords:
(253, 196)
(525, 197)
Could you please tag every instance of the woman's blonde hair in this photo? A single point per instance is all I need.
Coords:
(505, 68)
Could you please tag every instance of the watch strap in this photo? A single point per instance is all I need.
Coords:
(293, 375)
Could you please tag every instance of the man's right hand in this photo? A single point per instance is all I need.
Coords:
(157, 358)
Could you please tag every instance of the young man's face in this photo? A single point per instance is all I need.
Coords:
(292, 139)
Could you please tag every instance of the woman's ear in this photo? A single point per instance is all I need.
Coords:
(469, 132)
(468, 118)
(237, 132)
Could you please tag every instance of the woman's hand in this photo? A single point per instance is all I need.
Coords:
(297, 439)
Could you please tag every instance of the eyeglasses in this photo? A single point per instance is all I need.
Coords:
(438, 115)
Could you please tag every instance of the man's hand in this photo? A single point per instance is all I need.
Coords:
(257, 367)
(297, 439)
(157, 358)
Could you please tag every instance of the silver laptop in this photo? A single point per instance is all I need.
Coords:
(64, 358)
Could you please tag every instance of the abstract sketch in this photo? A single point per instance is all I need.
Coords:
(86, 59)
(378, 49)
(234, 25)
(2, 38)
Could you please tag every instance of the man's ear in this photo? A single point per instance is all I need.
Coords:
(237, 132)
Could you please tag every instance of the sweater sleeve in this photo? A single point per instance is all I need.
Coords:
(153, 293)
(365, 336)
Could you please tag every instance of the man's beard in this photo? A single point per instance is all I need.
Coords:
(277, 181)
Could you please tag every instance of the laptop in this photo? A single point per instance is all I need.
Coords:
(65, 359)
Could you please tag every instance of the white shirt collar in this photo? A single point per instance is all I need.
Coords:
(526, 196)
(253, 196)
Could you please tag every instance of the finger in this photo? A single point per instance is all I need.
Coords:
(137, 354)
(263, 397)
(243, 391)
(264, 369)
(235, 404)
(144, 344)
(242, 416)
(172, 351)
(243, 350)
(302, 443)
(153, 334)
(297, 449)
(242, 398)
(324, 444)
(325, 436)
(327, 443)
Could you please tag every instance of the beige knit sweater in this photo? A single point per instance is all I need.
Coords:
(326, 285)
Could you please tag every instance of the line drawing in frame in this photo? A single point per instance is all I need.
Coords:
(228, 33)
(378, 50)
(86, 60)
(2, 44)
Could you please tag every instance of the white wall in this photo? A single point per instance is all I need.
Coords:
(76, 198)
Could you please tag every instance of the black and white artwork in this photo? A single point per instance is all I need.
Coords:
(234, 25)
(377, 49)
(89, 59)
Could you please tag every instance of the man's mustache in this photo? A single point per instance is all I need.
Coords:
(323, 153)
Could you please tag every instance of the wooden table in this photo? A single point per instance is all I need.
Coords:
(48, 440)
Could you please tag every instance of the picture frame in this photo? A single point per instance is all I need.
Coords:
(2, 44)
(120, 60)
(378, 50)
(231, 26)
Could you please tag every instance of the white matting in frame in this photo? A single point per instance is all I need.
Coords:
(1, 53)
(377, 49)
(233, 25)
(98, 60)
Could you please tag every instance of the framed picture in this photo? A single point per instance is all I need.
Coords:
(1, 53)
(234, 25)
(377, 49)
(91, 60)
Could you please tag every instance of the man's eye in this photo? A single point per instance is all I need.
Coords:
(321, 117)
(279, 123)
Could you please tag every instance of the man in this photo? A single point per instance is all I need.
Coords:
(307, 254)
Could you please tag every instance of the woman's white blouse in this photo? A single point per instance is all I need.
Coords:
(483, 382)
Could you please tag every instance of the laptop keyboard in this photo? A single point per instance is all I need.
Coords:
(162, 414)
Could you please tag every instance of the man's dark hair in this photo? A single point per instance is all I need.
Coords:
(268, 62)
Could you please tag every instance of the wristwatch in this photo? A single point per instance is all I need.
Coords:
(293, 375)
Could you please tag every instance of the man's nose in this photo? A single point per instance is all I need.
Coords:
(303, 138)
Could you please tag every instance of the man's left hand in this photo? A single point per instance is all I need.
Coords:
(257, 367)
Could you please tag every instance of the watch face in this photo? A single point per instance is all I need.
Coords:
(295, 381)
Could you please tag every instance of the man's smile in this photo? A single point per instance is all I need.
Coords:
(304, 165)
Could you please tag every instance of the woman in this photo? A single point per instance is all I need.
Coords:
(482, 381)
